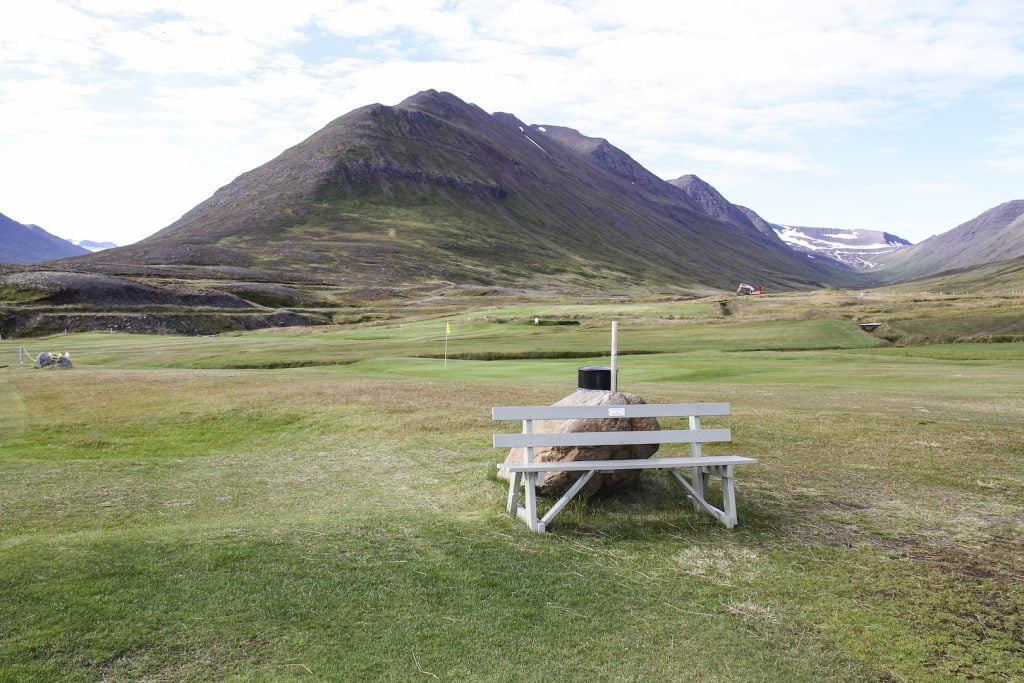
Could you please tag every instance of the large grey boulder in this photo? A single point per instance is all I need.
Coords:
(558, 482)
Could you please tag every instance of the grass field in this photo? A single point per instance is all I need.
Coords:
(180, 508)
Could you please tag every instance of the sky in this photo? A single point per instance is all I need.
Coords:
(118, 116)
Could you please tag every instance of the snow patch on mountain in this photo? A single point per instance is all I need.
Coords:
(851, 247)
(535, 143)
(93, 246)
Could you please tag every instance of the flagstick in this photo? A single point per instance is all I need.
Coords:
(446, 347)
(615, 354)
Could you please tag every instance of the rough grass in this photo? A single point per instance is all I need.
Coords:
(470, 336)
(343, 521)
(19, 295)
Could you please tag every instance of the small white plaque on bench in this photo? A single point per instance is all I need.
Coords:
(616, 412)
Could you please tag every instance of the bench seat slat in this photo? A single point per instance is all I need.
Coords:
(612, 438)
(638, 464)
(640, 410)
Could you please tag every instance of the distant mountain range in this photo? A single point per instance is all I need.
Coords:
(89, 245)
(434, 193)
(856, 247)
(21, 243)
(853, 248)
(991, 244)
(435, 190)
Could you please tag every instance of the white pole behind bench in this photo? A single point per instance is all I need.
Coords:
(615, 356)
(528, 429)
(695, 446)
(531, 480)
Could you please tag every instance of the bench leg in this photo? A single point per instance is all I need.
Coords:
(513, 492)
(697, 499)
(726, 516)
(525, 514)
(700, 485)
(728, 499)
(531, 503)
(566, 497)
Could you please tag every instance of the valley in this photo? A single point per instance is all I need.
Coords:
(277, 267)
(434, 198)
(267, 448)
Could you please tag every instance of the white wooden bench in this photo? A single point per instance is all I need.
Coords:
(701, 467)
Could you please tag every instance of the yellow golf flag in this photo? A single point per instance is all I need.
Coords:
(447, 328)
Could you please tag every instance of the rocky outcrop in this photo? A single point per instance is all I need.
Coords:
(29, 323)
(710, 201)
(350, 175)
(62, 288)
(558, 482)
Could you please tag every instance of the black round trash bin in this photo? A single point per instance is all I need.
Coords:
(595, 377)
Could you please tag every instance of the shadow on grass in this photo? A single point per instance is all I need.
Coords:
(655, 507)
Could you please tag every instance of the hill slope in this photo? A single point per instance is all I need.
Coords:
(435, 190)
(995, 235)
(20, 243)
(999, 277)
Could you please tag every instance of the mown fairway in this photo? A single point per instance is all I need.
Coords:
(193, 508)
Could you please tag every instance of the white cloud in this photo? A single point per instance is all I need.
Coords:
(737, 157)
(1009, 164)
(49, 33)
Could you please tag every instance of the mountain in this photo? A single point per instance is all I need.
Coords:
(89, 245)
(999, 277)
(995, 235)
(853, 248)
(20, 243)
(436, 191)
(710, 201)
(858, 248)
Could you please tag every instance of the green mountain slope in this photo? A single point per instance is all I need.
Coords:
(435, 190)
(1000, 277)
(995, 235)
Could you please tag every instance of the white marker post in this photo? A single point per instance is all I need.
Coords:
(615, 354)
(447, 331)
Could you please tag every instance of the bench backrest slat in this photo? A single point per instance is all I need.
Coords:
(640, 410)
(612, 438)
